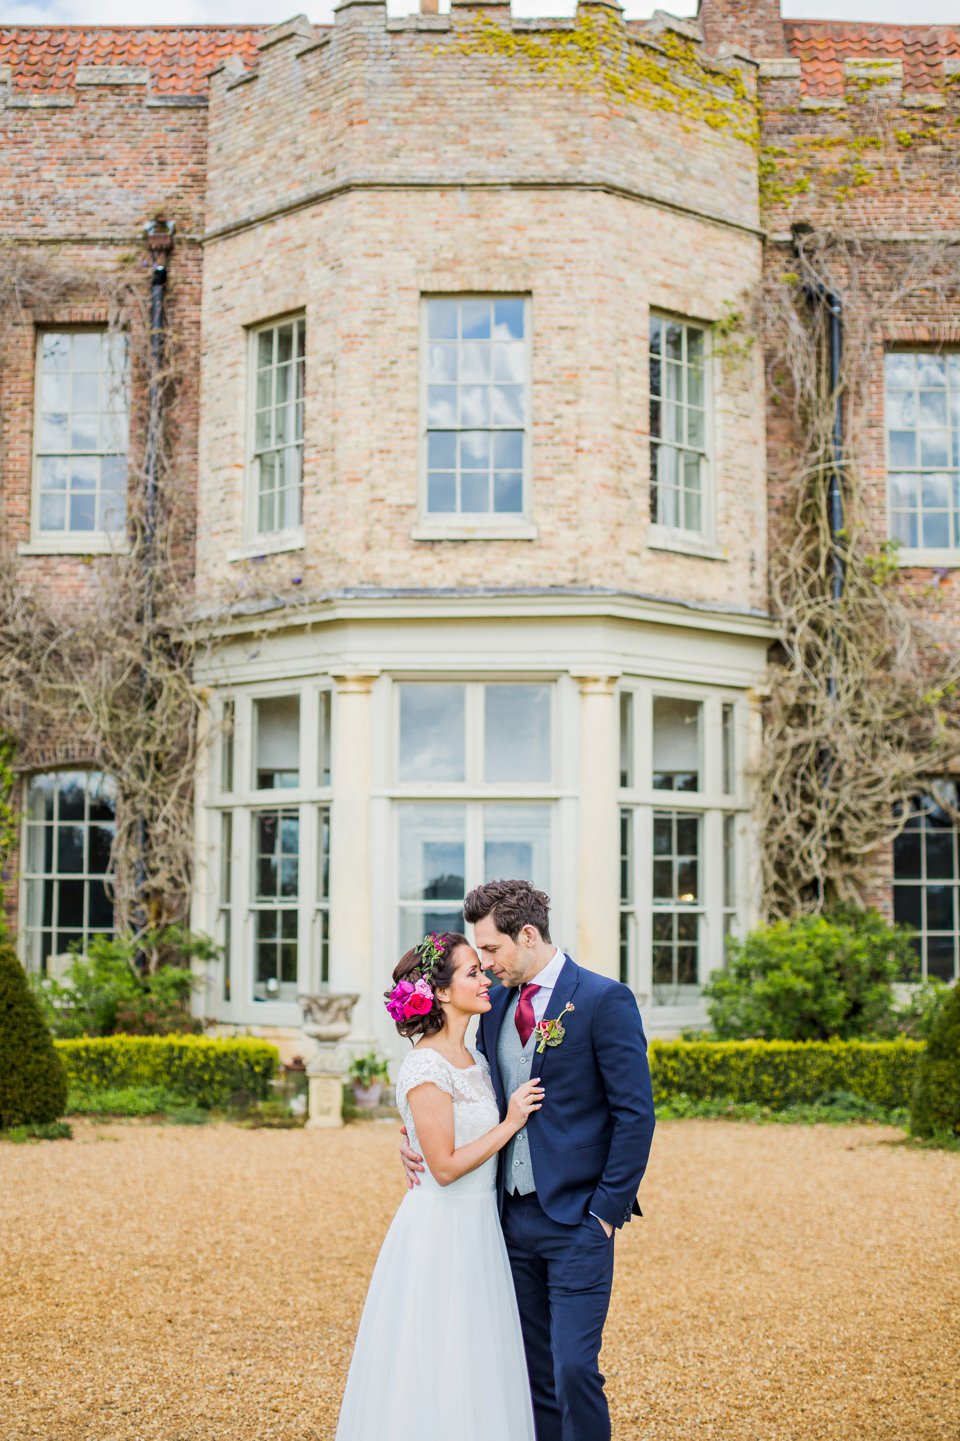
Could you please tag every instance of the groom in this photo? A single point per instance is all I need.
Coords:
(569, 1179)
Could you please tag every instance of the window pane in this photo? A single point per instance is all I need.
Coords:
(432, 736)
(517, 844)
(517, 733)
(432, 849)
(326, 737)
(226, 747)
(941, 957)
(676, 744)
(278, 742)
(626, 738)
(907, 907)
(729, 765)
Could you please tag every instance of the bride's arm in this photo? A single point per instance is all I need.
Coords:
(433, 1118)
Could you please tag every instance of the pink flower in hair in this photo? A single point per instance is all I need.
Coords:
(420, 1003)
(397, 999)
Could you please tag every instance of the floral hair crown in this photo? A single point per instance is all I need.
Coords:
(414, 995)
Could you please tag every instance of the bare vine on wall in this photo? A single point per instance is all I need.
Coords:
(863, 704)
(105, 671)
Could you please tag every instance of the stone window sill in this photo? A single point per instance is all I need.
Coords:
(75, 545)
(459, 529)
(276, 544)
(661, 537)
(934, 558)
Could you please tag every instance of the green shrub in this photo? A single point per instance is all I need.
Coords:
(48, 1131)
(781, 1074)
(103, 993)
(935, 1104)
(208, 1072)
(811, 979)
(124, 1101)
(33, 1083)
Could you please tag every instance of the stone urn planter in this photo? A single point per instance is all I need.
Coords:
(326, 1020)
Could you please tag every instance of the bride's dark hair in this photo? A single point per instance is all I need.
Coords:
(432, 1020)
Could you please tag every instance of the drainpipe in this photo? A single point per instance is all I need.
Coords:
(821, 295)
(159, 234)
(159, 237)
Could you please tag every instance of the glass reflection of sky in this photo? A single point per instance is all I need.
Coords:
(431, 732)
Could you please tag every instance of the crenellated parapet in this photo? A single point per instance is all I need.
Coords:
(869, 152)
(481, 96)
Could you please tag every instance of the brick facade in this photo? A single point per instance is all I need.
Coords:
(344, 172)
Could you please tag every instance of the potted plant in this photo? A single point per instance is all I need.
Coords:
(367, 1076)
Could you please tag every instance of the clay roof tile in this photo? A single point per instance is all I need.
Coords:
(179, 60)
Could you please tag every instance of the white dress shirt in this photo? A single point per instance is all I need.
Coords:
(546, 980)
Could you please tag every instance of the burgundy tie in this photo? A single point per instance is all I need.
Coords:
(524, 1011)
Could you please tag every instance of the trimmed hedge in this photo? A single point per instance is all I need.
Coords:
(209, 1071)
(785, 1073)
(935, 1106)
(33, 1086)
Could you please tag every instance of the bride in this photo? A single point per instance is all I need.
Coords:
(442, 1284)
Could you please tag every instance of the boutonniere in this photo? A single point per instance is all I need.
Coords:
(551, 1033)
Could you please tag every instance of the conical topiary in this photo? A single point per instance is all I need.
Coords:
(935, 1104)
(33, 1082)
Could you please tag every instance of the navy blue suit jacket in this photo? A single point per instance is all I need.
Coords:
(590, 1141)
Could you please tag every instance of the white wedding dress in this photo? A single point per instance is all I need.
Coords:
(439, 1352)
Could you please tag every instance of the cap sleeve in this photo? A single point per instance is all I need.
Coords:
(422, 1065)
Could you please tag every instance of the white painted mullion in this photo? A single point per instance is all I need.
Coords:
(711, 893)
(308, 886)
(643, 901)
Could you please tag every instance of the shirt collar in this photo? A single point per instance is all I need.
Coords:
(550, 974)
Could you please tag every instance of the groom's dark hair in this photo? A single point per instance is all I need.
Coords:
(512, 904)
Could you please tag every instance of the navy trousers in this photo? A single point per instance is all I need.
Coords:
(562, 1275)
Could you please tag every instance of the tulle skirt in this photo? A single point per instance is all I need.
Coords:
(439, 1352)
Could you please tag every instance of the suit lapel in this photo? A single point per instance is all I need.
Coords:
(499, 1007)
(563, 991)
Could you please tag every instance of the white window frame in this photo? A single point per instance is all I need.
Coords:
(256, 541)
(639, 801)
(42, 878)
(667, 537)
(474, 793)
(312, 799)
(922, 884)
(70, 542)
(517, 525)
(915, 555)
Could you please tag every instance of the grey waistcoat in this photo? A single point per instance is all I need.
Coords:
(516, 1065)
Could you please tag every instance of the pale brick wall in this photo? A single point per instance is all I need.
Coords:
(419, 151)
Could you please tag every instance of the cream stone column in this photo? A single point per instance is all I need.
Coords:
(351, 895)
(598, 870)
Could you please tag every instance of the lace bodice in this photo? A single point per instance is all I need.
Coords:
(475, 1110)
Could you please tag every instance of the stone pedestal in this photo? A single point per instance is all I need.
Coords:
(324, 1101)
(326, 1020)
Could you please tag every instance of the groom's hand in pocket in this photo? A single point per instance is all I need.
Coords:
(412, 1163)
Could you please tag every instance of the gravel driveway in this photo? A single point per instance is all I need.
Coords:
(203, 1284)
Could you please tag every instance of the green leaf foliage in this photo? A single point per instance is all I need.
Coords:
(811, 979)
(210, 1072)
(33, 1083)
(103, 993)
(935, 1104)
(782, 1074)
